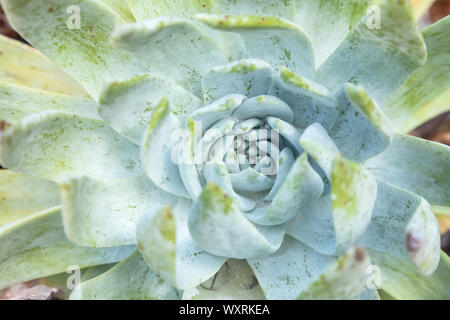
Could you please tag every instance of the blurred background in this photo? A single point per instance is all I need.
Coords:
(437, 129)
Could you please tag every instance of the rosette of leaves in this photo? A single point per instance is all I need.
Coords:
(101, 148)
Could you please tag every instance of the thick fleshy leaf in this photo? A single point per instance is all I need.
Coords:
(157, 44)
(218, 226)
(316, 228)
(104, 213)
(17, 103)
(120, 7)
(36, 247)
(249, 77)
(54, 146)
(85, 53)
(290, 133)
(21, 196)
(144, 9)
(158, 145)
(426, 93)
(361, 131)
(380, 59)
(263, 106)
(130, 279)
(328, 22)
(353, 195)
(274, 40)
(235, 281)
(417, 165)
(345, 279)
(401, 280)
(318, 144)
(310, 101)
(404, 226)
(273, 8)
(166, 245)
(369, 294)
(299, 191)
(216, 171)
(296, 271)
(141, 95)
(23, 65)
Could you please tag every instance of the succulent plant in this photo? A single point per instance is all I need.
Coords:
(223, 149)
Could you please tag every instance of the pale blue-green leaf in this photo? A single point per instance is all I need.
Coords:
(361, 131)
(54, 146)
(315, 228)
(318, 144)
(353, 196)
(216, 171)
(120, 7)
(149, 9)
(290, 270)
(36, 247)
(276, 8)
(285, 162)
(309, 100)
(378, 57)
(404, 226)
(249, 77)
(328, 22)
(75, 35)
(141, 96)
(104, 213)
(217, 225)
(235, 281)
(369, 294)
(299, 191)
(426, 93)
(24, 65)
(159, 150)
(345, 279)
(251, 180)
(263, 106)
(274, 40)
(417, 165)
(401, 280)
(166, 245)
(157, 44)
(290, 133)
(18, 102)
(22, 195)
(130, 279)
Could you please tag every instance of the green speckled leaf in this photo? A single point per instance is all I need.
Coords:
(361, 130)
(404, 226)
(36, 247)
(54, 146)
(328, 22)
(86, 53)
(403, 281)
(130, 279)
(417, 165)
(17, 103)
(21, 196)
(426, 93)
(275, 8)
(149, 9)
(166, 245)
(309, 100)
(353, 195)
(120, 7)
(378, 59)
(141, 95)
(104, 213)
(274, 40)
(23, 65)
(157, 43)
(249, 77)
(218, 226)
